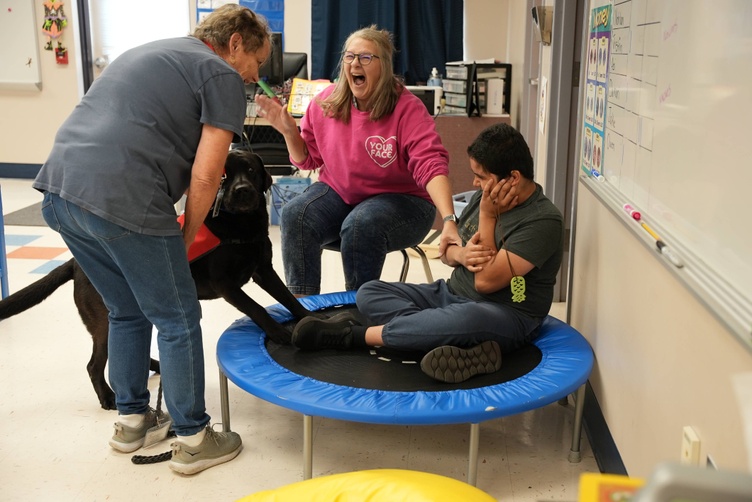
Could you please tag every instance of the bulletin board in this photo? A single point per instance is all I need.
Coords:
(272, 10)
(19, 47)
(664, 131)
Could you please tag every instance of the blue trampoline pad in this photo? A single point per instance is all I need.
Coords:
(562, 361)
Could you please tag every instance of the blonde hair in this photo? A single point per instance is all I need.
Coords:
(388, 89)
(219, 26)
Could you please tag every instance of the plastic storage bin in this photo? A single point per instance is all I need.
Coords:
(461, 200)
(283, 190)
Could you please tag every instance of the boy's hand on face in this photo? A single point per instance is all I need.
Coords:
(498, 196)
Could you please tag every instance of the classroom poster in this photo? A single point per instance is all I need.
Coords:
(596, 89)
(272, 10)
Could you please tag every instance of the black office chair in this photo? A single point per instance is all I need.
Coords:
(265, 141)
(335, 246)
(295, 65)
(276, 158)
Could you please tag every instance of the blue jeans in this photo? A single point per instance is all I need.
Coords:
(367, 231)
(144, 280)
(425, 316)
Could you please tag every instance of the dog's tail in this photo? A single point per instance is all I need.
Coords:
(35, 293)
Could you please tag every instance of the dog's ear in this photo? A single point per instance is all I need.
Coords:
(267, 176)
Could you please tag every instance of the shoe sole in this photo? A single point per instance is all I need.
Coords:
(202, 465)
(126, 447)
(123, 447)
(453, 364)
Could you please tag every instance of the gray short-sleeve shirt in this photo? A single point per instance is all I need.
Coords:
(127, 149)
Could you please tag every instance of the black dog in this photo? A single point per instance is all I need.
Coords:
(245, 252)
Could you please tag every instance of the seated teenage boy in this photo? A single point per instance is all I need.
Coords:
(501, 287)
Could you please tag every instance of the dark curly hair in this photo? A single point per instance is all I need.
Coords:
(501, 149)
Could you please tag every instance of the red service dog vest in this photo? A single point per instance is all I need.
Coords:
(205, 241)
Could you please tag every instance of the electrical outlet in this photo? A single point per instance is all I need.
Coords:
(690, 452)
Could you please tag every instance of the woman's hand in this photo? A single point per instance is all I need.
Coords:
(449, 237)
(275, 114)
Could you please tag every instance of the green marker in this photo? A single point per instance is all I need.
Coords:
(267, 90)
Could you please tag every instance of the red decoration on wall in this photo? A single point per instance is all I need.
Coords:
(61, 54)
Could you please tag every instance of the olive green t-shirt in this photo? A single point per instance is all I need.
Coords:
(534, 230)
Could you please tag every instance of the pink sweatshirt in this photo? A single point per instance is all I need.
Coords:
(399, 153)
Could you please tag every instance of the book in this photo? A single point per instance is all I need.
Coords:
(301, 94)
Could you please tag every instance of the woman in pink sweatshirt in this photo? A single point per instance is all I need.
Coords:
(383, 169)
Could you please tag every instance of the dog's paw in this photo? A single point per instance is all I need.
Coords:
(107, 401)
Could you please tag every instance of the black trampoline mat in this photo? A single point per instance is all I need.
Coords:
(390, 369)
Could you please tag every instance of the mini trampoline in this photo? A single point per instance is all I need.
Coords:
(356, 386)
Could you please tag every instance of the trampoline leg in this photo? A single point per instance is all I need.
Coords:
(472, 467)
(224, 399)
(579, 408)
(307, 446)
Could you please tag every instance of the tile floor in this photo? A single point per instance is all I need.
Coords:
(53, 439)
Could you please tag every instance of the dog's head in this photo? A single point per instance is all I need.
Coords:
(245, 183)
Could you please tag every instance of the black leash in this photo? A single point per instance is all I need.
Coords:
(162, 457)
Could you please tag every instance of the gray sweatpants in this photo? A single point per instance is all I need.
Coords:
(425, 316)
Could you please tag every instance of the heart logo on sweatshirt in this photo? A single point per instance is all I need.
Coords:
(382, 151)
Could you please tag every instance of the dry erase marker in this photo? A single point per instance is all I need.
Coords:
(634, 213)
(597, 175)
(267, 90)
(669, 253)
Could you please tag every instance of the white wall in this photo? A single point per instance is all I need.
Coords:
(542, 141)
(29, 119)
(662, 360)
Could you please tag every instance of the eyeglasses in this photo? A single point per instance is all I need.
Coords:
(365, 58)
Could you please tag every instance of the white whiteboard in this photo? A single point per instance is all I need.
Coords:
(674, 135)
(19, 48)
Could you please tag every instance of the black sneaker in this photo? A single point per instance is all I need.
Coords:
(453, 364)
(312, 333)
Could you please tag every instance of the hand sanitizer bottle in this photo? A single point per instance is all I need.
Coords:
(435, 79)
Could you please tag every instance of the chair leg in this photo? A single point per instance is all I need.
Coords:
(426, 265)
(405, 265)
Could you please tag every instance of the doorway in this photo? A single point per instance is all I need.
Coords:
(107, 29)
(548, 123)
